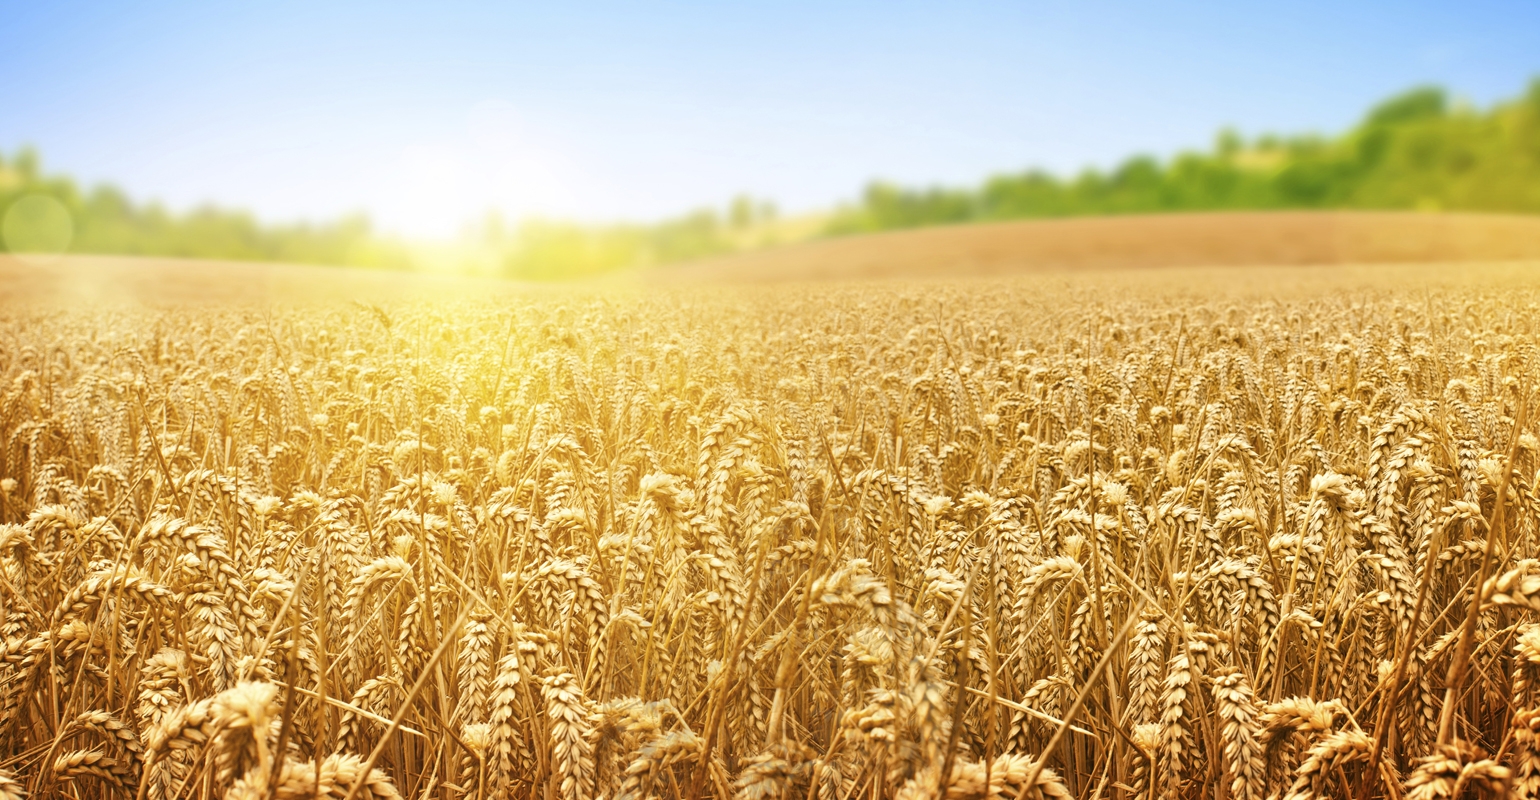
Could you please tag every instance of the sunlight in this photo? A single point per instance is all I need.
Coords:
(835, 400)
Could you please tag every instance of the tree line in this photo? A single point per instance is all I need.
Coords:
(1418, 150)
(103, 219)
(1415, 151)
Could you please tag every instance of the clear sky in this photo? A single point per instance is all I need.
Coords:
(426, 115)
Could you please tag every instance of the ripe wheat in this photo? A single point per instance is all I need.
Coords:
(877, 542)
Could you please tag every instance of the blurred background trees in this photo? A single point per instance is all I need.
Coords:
(1414, 151)
(105, 220)
(1419, 150)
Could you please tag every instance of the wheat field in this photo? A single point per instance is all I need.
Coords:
(1040, 539)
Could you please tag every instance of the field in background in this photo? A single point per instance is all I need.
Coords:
(1138, 242)
(114, 280)
(1418, 150)
(1427, 244)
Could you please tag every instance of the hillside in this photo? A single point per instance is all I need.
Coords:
(167, 281)
(1211, 245)
(1417, 151)
(1138, 242)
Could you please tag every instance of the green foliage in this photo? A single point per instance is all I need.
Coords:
(104, 220)
(544, 250)
(1415, 150)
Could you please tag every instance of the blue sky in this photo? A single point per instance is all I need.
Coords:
(427, 115)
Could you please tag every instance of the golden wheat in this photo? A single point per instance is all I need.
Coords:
(870, 542)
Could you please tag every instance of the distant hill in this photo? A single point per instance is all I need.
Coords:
(1139, 241)
(1417, 151)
